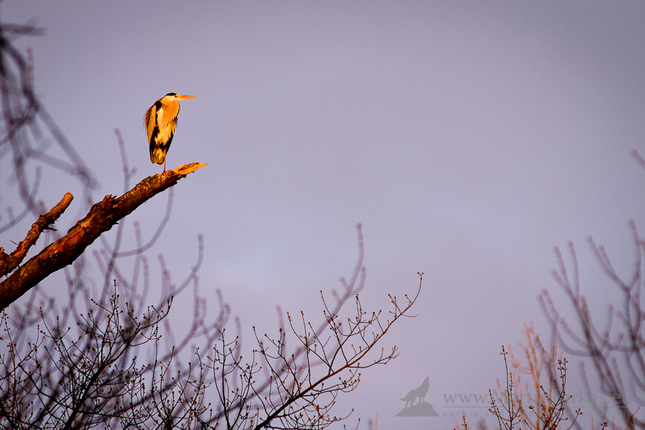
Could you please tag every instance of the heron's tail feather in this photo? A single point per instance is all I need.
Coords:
(158, 155)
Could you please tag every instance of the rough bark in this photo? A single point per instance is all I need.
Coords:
(101, 217)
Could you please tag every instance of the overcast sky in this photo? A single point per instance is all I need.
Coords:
(468, 139)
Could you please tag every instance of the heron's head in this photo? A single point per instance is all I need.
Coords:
(171, 97)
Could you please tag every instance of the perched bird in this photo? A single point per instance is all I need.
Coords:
(160, 122)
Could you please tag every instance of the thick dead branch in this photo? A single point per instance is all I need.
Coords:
(101, 217)
(9, 262)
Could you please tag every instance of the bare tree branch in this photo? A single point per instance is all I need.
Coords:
(9, 262)
(101, 217)
(616, 349)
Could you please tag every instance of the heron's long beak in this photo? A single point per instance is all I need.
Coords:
(180, 97)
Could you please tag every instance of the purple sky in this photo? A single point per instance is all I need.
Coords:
(468, 141)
